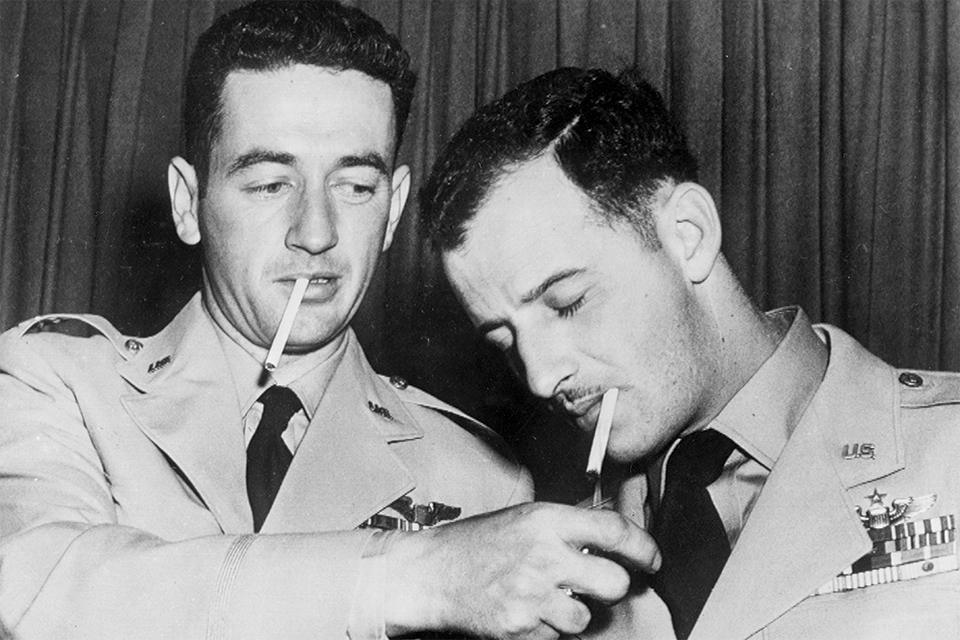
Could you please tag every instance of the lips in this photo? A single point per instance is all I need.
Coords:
(312, 277)
(582, 406)
(320, 288)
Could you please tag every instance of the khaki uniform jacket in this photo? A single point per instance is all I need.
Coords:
(123, 505)
(805, 528)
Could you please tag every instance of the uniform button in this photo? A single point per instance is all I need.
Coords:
(398, 382)
(910, 379)
(133, 345)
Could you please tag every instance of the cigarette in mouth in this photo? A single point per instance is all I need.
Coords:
(600, 437)
(286, 324)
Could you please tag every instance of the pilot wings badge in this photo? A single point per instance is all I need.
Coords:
(878, 515)
(415, 516)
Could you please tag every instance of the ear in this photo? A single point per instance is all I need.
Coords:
(184, 199)
(690, 230)
(400, 191)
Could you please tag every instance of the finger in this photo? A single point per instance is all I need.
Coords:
(564, 613)
(597, 578)
(613, 535)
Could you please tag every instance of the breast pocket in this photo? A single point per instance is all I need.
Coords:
(925, 607)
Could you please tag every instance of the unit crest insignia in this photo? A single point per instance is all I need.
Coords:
(878, 515)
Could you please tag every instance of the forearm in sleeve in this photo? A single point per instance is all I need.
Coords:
(74, 581)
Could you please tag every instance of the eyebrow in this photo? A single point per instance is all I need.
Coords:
(256, 156)
(373, 160)
(533, 294)
(541, 288)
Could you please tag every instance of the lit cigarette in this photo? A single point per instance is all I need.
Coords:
(602, 433)
(286, 324)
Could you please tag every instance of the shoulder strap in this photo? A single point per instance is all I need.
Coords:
(78, 324)
(408, 393)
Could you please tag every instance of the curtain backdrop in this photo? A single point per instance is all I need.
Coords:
(828, 132)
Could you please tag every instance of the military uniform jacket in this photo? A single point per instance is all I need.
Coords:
(123, 505)
(871, 434)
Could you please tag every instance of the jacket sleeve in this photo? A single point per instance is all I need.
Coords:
(69, 570)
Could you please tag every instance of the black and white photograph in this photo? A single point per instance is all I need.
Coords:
(507, 319)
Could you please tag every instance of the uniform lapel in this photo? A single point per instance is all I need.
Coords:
(188, 408)
(344, 470)
(804, 529)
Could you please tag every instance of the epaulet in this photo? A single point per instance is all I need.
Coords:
(409, 393)
(81, 325)
(928, 388)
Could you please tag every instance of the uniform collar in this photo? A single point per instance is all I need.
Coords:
(188, 338)
(804, 528)
(308, 375)
(762, 415)
(344, 470)
(349, 440)
(186, 405)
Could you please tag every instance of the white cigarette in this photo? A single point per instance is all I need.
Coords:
(286, 324)
(602, 433)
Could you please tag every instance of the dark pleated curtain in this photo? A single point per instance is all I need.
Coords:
(828, 132)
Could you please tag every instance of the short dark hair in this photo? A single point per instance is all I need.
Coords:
(611, 135)
(271, 34)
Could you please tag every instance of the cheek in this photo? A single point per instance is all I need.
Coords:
(232, 257)
(674, 375)
(362, 242)
(234, 261)
(649, 340)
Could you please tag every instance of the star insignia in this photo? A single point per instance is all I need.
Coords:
(876, 498)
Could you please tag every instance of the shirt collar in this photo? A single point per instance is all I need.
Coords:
(762, 415)
(308, 375)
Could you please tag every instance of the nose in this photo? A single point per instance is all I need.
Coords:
(313, 224)
(545, 362)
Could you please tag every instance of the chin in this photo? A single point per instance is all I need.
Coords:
(310, 339)
(630, 452)
(622, 455)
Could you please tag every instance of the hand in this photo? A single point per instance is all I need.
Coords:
(504, 574)
(641, 614)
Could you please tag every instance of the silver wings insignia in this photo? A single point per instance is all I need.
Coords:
(878, 515)
(907, 510)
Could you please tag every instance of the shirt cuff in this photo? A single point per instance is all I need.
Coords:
(367, 617)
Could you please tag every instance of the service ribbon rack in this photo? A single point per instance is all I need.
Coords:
(902, 552)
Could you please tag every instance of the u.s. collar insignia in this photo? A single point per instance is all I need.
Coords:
(878, 515)
(860, 450)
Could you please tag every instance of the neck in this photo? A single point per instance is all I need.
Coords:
(742, 339)
(257, 352)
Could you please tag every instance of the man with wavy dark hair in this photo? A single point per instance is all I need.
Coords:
(796, 485)
(245, 473)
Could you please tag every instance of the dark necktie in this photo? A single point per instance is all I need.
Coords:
(688, 529)
(267, 455)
